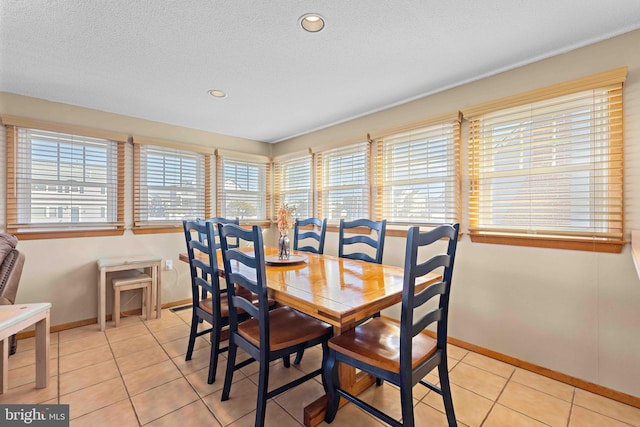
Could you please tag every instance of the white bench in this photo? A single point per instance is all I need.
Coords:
(137, 280)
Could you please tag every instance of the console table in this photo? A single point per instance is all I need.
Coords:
(150, 265)
(13, 319)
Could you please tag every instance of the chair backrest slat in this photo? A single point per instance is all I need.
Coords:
(428, 293)
(377, 244)
(319, 235)
(424, 321)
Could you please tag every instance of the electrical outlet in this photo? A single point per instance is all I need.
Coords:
(168, 264)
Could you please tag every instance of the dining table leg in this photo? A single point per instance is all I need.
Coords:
(349, 380)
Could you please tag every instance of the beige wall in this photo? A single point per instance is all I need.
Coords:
(570, 311)
(574, 312)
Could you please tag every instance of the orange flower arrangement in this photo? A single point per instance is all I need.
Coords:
(285, 218)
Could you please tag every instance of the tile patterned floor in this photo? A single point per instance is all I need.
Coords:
(136, 375)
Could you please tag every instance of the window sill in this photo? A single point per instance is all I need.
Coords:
(179, 229)
(157, 230)
(552, 242)
(57, 234)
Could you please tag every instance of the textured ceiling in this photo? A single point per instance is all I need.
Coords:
(156, 59)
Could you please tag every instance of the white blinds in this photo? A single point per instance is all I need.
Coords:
(294, 186)
(344, 183)
(62, 180)
(242, 189)
(418, 175)
(551, 167)
(170, 185)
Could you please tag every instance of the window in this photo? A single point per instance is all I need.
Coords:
(294, 185)
(418, 175)
(242, 188)
(549, 172)
(170, 185)
(62, 183)
(344, 182)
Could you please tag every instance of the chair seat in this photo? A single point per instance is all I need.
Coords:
(377, 343)
(207, 305)
(288, 327)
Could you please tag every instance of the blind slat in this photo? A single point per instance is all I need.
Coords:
(418, 175)
(344, 182)
(242, 189)
(169, 185)
(293, 185)
(61, 180)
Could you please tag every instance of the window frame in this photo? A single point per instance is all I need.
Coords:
(324, 171)
(281, 178)
(610, 241)
(203, 173)
(447, 126)
(33, 231)
(264, 181)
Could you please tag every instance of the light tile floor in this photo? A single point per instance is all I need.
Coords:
(136, 375)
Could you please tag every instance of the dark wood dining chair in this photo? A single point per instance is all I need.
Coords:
(209, 302)
(318, 233)
(402, 352)
(268, 335)
(377, 244)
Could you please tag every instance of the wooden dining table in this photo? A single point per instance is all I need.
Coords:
(338, 291)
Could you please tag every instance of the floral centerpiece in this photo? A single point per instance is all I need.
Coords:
(285, 223)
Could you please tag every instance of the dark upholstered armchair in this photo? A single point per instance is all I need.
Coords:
(11, 262)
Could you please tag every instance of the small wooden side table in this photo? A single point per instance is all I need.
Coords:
(13, 319)
(151, 266)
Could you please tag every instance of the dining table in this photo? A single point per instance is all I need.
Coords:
(339, 291)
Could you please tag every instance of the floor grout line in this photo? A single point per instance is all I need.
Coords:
(156, 335)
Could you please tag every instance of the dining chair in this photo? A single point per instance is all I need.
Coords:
(269, 334)
(205, 281)
(402, 352)
(377, 244)
(317, 233)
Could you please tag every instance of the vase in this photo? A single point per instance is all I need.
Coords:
(284, 249)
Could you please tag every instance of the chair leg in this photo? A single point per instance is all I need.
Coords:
(213, 358)
(263, 383)
(231, 364)
(331, 383)
(192, 335)
(443, 372)
(406, 402)
(298, 358)
(286, 361)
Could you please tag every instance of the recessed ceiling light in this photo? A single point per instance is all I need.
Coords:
(312, 22)
(217, 93)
